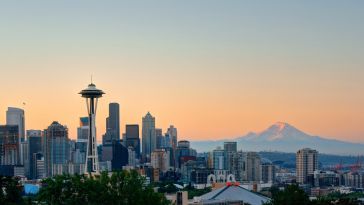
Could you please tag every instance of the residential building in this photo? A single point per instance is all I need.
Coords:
(252, 167)
(306, 164)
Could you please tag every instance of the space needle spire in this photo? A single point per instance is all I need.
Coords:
(92, 94)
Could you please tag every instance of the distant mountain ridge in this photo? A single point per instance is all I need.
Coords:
(284, 137)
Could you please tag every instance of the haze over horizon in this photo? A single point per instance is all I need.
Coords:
(215, 71)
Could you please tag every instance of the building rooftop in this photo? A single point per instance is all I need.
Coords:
(233, 193)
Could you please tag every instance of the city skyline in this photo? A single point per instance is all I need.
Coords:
(221, 71)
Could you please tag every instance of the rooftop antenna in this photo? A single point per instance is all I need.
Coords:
(91, 79)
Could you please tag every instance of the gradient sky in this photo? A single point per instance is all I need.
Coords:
(214, 69)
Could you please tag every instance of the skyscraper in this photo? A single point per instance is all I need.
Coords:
(172, 132)
(92, 94)
(219, 159)
(55, 148)
(230, 149)
(252, 167)
(268, 172)
(120, 156)
(306, 164)
(230, 146)
(112, 125)
(83, 129)
(160, 160)
(34, 146)
(148, 136)
(132, 138)
(15, 116)
(183, 152)
(114, 121)
(9, 145)
(159, 137)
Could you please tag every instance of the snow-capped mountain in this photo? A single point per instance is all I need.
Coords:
(285, 138)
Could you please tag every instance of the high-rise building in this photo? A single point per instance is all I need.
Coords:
(92, 94)
(24, 157)
(160, 160)
(252, 167)
(119, 156)
(268, 172)
(34, 146)
(306, 164)
(167, 141)
(219, 159)
(148, 136)
(230, 146)
(172, 132)
(113, 122)
(39, 165)
(15, 116)
(236, 165)
(9, 145)
(230, 149)
(160, 138)
(184, 152)
(132, 138)
(55, 148)
(83, 129)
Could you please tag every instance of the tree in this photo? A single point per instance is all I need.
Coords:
(10, 191)
(292, 195)
(121, 188)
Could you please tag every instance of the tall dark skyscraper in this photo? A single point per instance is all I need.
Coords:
(34, 147)
(119, 156)
(112, 124)
(114, 120)
(132, 138)
(159, 138)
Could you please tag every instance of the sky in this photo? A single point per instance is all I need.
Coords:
(214, 69)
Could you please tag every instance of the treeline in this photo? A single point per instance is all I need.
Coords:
(293, 195)
(119, 188)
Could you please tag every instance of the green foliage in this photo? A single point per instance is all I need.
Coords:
(121, 188)
(292, 195)
(339, 199)
(10, 191)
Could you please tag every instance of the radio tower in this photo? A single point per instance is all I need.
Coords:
(92, 94)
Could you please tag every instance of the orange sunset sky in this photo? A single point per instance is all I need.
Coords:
(215, 70)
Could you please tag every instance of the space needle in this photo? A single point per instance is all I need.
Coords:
(92, 94)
